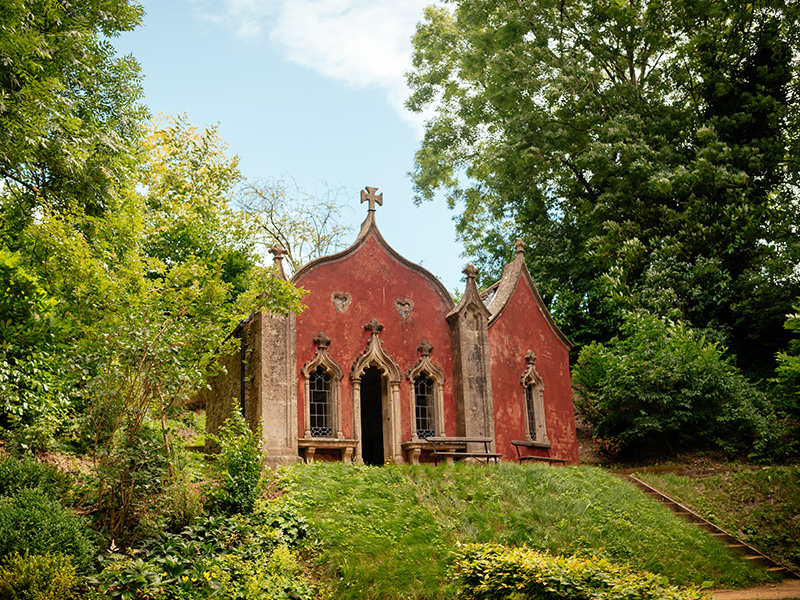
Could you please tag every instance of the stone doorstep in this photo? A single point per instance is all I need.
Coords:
(747, 551)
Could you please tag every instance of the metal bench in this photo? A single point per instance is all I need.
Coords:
(449, 456)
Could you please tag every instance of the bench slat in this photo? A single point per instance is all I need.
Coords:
(459, 440)
(478, 454)
(543, 459)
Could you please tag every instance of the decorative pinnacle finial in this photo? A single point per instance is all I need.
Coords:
(520, 246)
(278, 253)
(425, 348)
(530, 357)
(369, 195)
(373, 326)
(470, 271)
(322, 340)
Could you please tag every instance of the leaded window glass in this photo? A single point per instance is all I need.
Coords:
(320, 403)
(424, 405)
(530, 408)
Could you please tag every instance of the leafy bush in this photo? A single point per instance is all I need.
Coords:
(33, 522)
(240, 556)
(664, 384)
(28, 473)
(242, 465)
(131, 478)
(37, 577)
(33, 401)
(489, 572)
(787, 378)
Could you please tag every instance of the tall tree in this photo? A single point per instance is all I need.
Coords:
(306, 226)
(188, 181)
(642, 148)
(69, 107)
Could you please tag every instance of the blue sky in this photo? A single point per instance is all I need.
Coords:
(307, 90)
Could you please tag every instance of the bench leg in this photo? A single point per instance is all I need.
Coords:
(309, 454)
(347, 455)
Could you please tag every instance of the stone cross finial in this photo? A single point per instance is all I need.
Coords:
(530, 357)
(278, 253)
(369, 195)
(373, 326)
(425, 348)
(470, 271)
(520, 246)
(322, 340)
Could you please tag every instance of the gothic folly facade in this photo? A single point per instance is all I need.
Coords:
(382, 358)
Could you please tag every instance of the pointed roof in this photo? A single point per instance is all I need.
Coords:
(498, 295)
(471, 296)
(369, 229)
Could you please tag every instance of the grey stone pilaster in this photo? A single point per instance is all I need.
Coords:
(472, 377)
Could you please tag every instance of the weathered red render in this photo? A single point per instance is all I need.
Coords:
(368, 306)
(523, 324)
(374, 276)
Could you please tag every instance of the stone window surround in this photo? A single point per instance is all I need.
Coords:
(437, 375)
(322, 359)
(531, 378)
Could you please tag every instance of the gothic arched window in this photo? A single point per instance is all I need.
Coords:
(427, 396)
(320, 396)
(322, 410)
(533, 387)
(424, 406)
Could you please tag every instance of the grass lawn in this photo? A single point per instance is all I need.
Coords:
(759, 506)
(388, 532)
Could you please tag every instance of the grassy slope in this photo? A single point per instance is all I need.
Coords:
(387, 532)
(761, 506)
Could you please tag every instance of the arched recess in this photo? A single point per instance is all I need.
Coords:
(533, 402)
(310, 369)
(375, 355)
(434, 374)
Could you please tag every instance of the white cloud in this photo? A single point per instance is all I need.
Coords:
(364, 43)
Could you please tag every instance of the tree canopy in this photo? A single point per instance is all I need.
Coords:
(69, 107)
(646, 151)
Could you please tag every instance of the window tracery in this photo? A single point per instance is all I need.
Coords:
(533, 396)
(427, 404)
(322, 382)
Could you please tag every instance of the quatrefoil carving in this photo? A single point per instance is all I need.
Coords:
(404, 307)
(341, 301)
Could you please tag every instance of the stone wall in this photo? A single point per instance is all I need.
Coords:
(223, 393)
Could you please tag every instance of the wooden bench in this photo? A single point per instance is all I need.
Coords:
(449, 456)
(531, 444)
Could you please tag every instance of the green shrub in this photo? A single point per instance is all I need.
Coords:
(33, 522)
(37, 577)
(664, 385)
(130, 482)
(492, 572)
(242, 464)
(28, 473)
(235, 557)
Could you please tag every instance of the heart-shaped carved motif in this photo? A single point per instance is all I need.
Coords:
(404, 306)
(341, 301)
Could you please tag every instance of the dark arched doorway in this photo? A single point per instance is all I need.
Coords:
(372, 450)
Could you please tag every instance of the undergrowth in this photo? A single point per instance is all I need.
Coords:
(389, 532)
(759, 506)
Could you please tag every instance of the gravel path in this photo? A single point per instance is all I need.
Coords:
(789, 589)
